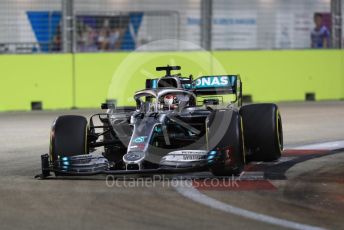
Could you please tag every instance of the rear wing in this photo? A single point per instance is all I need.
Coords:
(206, 85)
(219, 85)
(214, 85)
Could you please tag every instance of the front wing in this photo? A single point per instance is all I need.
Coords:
(90, 165)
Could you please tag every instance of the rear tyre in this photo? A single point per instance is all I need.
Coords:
(262, 131)
(68, 137)
(225, 140)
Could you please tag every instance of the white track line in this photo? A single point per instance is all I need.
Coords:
(190, 192)
(332, 145)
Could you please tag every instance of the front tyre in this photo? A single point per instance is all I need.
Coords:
(68, 137)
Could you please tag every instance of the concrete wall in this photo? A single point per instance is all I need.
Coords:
(287, 75)
(267, 75)
(27, 78)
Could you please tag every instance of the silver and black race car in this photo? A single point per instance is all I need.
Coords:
(178, 125)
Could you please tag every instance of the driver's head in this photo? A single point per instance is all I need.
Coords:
(170, 100)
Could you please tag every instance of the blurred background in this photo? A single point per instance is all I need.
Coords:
(58, 54)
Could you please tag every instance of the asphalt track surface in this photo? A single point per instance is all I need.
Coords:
(304, 190)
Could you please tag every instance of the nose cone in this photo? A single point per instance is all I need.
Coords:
(133, 157)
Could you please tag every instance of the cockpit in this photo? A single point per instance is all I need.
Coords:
(174, 92)
(151, 100)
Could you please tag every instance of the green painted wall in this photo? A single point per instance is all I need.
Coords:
(26, 78)
(119, 75)
(287, 75)
(267, 75)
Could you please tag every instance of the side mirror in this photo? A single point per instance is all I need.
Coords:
(108, 106)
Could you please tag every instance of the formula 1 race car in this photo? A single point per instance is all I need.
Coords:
(178, 125)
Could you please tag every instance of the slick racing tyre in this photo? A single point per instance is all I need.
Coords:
(225, 140)
(262, 131)
(68, 137)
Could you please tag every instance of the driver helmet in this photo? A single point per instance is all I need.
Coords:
(170, 101)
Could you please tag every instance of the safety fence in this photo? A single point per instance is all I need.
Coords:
(48, 26)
